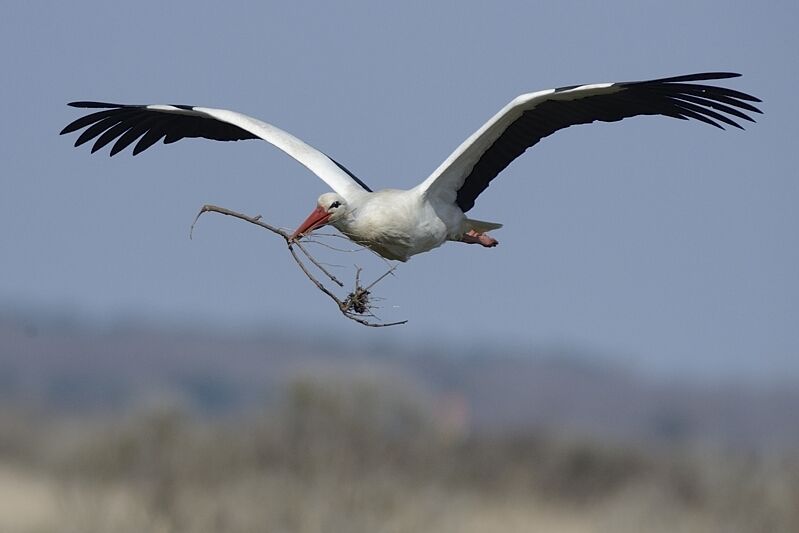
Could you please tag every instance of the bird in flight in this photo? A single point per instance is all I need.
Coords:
(400, 223)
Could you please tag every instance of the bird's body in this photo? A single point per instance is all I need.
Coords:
(399, 224)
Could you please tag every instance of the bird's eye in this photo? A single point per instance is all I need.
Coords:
(335, 204)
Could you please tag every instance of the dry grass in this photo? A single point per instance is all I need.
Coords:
(350, 458)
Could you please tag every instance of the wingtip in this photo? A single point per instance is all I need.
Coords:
(85, 104)
(720, 75)
(724, 75)
(699, 76)
(82, 104)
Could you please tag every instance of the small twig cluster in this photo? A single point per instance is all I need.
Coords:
(356, 305)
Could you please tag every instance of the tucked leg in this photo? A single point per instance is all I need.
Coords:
(483, 239)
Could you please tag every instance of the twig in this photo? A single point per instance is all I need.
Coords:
(388, 272)
(224, 211)
(317, 264)
(354, 306)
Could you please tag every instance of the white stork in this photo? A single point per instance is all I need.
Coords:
(397, 223)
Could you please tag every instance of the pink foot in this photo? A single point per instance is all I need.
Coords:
(483, 239)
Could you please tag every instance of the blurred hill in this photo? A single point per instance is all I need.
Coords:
(51, 362)
(164, 428)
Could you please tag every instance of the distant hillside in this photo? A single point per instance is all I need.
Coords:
(52, 363)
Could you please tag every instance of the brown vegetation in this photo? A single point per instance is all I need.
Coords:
(347, 457)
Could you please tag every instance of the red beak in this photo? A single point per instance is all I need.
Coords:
(316, 219)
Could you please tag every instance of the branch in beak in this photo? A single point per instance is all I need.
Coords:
(316, 219)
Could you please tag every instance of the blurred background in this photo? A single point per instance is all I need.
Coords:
(626, 360)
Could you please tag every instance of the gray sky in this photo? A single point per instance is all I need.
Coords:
(669, 244)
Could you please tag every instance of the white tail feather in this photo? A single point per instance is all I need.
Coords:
(480, 226)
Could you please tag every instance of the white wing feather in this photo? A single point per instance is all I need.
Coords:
(311, 158)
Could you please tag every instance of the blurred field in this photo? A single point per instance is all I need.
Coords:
(356, 456)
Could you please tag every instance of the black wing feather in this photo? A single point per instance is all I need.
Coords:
(110, 134)
(152, 136)
(82, 122)
(714, 105)
(127, 123)
(127, 138)
(97, 128)
(671, 97)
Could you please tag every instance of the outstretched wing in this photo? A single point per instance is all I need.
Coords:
(148, 124)
(530, 117)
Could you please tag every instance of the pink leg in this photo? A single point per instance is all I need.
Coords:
(483, 239)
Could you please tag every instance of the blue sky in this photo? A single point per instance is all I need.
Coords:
(670, 245)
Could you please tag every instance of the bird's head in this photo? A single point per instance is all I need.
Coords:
(330, 208)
